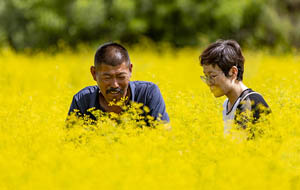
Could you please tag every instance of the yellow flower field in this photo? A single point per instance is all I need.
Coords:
(37, 152)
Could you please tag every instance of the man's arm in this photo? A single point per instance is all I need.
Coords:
(73, 111)
(74, 106)
(156, 104)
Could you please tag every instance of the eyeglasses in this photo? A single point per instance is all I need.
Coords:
(208, 79)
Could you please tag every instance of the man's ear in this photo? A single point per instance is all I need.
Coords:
(93, 72)
(130, 68)
(233, 72)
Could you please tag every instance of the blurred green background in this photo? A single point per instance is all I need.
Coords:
(44, 24)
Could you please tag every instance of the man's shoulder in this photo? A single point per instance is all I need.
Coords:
(87, 91)
(144, 91)
(143, 84)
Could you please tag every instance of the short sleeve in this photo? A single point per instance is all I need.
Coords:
(258, 106)
(156, 104)
(74, 106)
(251, 109)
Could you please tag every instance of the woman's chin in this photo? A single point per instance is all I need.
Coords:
(217, 93)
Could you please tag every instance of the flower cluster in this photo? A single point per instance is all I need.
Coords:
(38, 151)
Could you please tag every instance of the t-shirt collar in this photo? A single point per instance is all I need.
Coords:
(96, 96)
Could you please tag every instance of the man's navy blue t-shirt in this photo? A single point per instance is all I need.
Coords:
(143, 92)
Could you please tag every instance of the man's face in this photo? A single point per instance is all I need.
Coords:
(113, 81)
(218, 83)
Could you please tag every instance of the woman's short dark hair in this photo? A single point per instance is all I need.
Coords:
(111, 53)
(225, 54)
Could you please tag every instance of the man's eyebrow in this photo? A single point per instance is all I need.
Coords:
(122, 73)
(106, 74)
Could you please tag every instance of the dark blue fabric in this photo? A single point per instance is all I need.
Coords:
(143, 92)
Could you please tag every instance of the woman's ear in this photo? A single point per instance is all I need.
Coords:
(233, 72)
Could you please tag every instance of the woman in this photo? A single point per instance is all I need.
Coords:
(223, 66)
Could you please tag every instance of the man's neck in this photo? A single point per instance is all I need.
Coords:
(235, 92)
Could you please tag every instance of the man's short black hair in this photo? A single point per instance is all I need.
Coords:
(111, 53)
(225, 54)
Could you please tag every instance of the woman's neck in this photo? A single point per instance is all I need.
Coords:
(235, 92)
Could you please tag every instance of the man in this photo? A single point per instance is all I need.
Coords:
(223, 66)
(112, 71)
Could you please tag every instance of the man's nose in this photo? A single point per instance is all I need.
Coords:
(115, 83)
